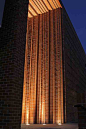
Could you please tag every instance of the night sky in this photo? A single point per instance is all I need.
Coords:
(76, 10)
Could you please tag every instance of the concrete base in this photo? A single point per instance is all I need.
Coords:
(50, 126)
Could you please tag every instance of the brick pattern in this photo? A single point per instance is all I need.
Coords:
(46, 68)
(0, 34)
(74, 60)
(12, 47)
(43, 99)
(81, 112)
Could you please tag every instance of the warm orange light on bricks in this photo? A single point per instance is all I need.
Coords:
(59, 122)
(42, 6)
(43, 82)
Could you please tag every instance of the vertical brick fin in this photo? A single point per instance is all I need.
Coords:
(39, 72)
(43, 93)
(30, 77)
(31, 74)
(42, 72)
(51, 66)
(61, 55)
(41, 36)
(47, 69)
(33, 66)
(59, 64)
(54, 88)
(27, 72)
(35, 75)
(64, 70)
(25, 79)
(29, 54)
(56, 69)
(44, 65)
(31, 71)
(36, 110)
(54, 65)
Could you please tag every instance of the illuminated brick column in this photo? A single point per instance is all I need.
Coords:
(30, 78)
(43, 94)
(51, 68)
(47, 68)
(60, 69)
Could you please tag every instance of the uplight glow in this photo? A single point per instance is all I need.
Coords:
(59, 123)
(27, 124)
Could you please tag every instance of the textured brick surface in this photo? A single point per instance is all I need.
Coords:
(43, 96)
(12, 47)
(81, 112)
(69, 81)
(74, 60)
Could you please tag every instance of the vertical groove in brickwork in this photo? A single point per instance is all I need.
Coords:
(45, 61)
(54, 67)
(45, 67)
(62, 117)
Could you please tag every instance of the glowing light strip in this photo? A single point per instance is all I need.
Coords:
(38, 3)
(37, 6)
(54, 3)
(45, 5)
(33, 9)
(49, 4)
(42, 6)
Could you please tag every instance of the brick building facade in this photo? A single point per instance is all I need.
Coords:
(12, 49)
(49, 72)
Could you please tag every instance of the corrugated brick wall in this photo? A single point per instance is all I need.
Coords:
(43, 96)
(52, 72)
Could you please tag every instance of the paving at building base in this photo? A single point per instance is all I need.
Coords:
(50, 126)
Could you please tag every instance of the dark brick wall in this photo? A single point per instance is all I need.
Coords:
(12, 53)
(0, 34)
(81, 111)
(74, 60)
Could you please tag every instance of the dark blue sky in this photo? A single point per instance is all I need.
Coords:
(76, 10)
